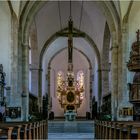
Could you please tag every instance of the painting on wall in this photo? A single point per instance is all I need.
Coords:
(13, 112)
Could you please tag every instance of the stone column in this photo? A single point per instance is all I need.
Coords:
(13, 90)
(25, 82)
(14, 55)
(49, 94)
(40, 90)
(99, 90)
(90, 89)
(105, 81)
(123, 93)
(105, 61)
(114, 77)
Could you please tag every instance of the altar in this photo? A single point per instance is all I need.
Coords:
(70, 115)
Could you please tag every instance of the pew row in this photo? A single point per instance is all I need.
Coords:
(24, 130)
(117, 130)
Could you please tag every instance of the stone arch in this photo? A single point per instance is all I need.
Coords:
(92, 44)
(76, 50)
(105, 61)
(90, 69)
(107, 8)
(114, 26)
(89, 62)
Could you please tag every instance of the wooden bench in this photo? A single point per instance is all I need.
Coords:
(117, 130)
(23, 130)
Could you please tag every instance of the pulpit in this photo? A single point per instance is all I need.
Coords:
(134, 88)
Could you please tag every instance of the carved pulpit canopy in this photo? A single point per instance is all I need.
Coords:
(134, 66)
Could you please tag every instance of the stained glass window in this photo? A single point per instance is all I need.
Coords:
(60, 81)
(81, 83)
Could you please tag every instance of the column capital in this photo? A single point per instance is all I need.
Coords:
(36, 69)
(49, 68)
(26, 45)
(124, 30)
(99, 70)
(114, 47)
(40, 69)
(107, 69)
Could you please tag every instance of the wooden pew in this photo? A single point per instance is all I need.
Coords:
(117, 129)
(24, 130)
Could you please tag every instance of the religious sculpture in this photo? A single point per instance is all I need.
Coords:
(134, 66)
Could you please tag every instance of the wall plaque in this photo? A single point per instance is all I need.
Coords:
(13, 112)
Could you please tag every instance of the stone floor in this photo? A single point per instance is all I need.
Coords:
(79, 130)
(70, 136)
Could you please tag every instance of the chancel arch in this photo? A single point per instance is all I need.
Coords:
(54, 69)
(24, 36)
(37, 77)
(96, 54)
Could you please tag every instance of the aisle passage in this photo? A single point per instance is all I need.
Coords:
(78, 130)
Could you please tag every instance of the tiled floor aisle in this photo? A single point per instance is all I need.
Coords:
(70, 136)
(79, 130)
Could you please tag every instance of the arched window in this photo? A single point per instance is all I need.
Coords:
(60, 82)
(80, 78)
(81, 83)
(60, 78)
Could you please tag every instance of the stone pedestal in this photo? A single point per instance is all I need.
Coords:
(70, 115)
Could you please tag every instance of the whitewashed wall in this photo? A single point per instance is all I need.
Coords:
(5, 40)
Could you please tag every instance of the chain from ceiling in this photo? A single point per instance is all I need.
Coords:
(60, 15)
(70, 16)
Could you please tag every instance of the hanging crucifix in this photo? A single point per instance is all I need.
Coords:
(70, 34)
(70, 41)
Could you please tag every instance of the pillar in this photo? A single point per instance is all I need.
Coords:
(99, 90)
(25, 82)
(13, 91)
(40, 90)
(105, 81)
(90, 89)
(49, 94)
(123, 93)
(105, 61)
(114, 77)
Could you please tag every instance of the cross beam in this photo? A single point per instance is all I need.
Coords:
(74, 34)
(70, 34)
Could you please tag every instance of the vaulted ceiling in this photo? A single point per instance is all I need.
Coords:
(88, 16)
(54, 16)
